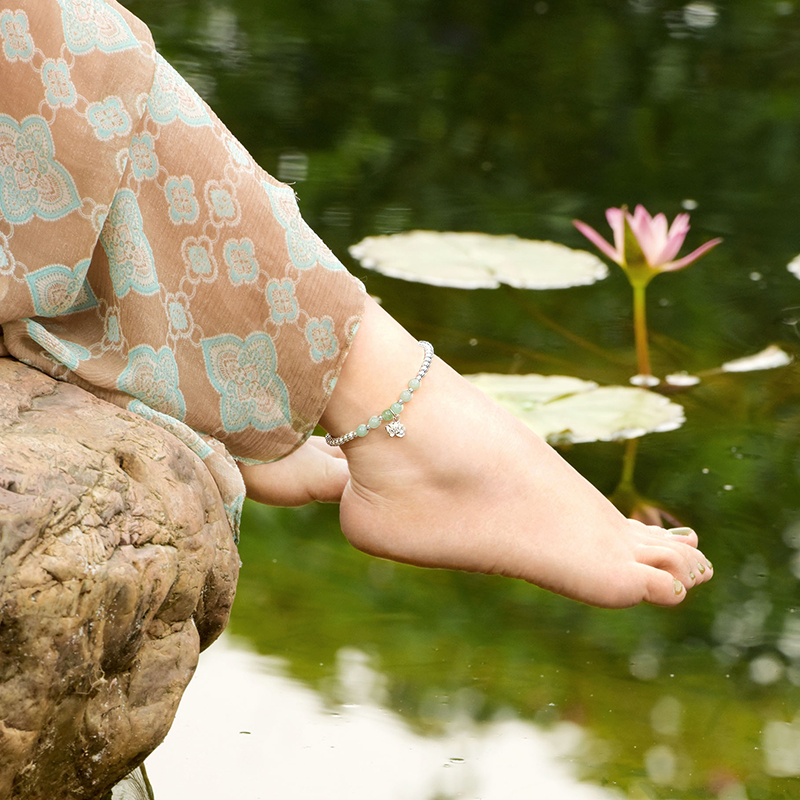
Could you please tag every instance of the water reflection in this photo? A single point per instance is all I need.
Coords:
(245, 729)
(502, 117)
(782, 745)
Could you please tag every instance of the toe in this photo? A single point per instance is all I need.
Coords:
(703, 569)
(684, 535)
(676, 560)
(681, 562)
(680, 535)
(663, 589)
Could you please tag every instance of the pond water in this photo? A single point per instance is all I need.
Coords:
(346, 676)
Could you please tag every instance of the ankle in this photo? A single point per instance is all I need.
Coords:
(449, 443)
(382, 359)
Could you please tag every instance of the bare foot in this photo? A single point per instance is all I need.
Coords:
(312, 472)
(470, 487)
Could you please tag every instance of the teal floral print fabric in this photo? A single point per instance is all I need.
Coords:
(244, 373)
(32, 182)
(145, 256)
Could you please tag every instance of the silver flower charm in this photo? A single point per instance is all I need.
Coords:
(396, 428)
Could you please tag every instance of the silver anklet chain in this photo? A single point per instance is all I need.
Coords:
(391, 414)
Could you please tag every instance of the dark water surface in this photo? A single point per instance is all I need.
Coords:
(515, 117)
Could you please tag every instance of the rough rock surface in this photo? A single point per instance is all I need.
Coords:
(117, 566)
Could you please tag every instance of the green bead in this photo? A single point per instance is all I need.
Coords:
(374, 422)
(387, 415)
(396, 408)
(362, 430)
(413, 384)
(405, 396)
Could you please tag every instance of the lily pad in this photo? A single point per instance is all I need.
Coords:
(564, 410)
(478, 260)
(524, 392)
(770, 357)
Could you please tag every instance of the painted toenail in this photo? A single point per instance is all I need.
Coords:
(677, 586)
(691, 575)
(701, 568)
(680, 531)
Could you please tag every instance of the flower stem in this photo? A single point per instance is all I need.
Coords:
(640, 327)
(625, 497)
(629, 463)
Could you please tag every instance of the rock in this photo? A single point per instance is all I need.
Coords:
(117, 567)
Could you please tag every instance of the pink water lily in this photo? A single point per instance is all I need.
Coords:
(658, 242)
(644, 246)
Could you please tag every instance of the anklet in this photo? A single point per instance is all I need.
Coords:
(391, 414)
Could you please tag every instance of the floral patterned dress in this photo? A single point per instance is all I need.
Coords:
(145, 256)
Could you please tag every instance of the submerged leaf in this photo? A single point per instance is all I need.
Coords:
(567, 410)
(770, 357)
(478, 260)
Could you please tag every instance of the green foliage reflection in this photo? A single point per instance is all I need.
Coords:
(492, 116)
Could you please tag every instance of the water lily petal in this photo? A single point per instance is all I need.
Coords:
(641, 215)
(597, 240)
(640, 219)
(661, 242)
(654, 240)
(659, 228)
(642, 226)
(693, 256)
(680, 225)
(677, 233)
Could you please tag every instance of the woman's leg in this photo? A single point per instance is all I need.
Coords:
(470, 487)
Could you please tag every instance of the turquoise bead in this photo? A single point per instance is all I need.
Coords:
(413, 384)
(396, 408)
(405, 396)
(374, 422)
(387, 415)
(362, 430)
